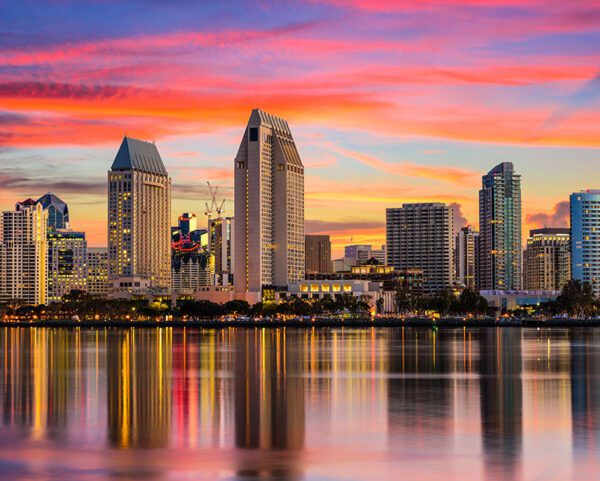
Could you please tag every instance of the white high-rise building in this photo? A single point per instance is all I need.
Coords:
(465, 256)
(97, 271)
(421, 236)
(220, 245)
(24, 254)
(139, 225)
(269, 206)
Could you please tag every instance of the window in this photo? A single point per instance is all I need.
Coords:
(253, 134)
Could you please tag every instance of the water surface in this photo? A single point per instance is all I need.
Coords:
(322, 404)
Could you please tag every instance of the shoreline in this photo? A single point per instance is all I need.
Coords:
(321, 323)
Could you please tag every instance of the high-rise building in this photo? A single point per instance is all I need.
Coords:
(500, 229)
(24, 254)
(269, 206)
(66, 263)
(192, 265)
(139, 209)
(465, 256)
(547, 259)
(58, 211)
(585, 237)
(220, 239)
(421, 236)
(97, 271)
(317, 249)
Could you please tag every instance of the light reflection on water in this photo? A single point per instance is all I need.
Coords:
(331, 404)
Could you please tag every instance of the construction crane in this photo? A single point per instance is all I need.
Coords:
(214, 203)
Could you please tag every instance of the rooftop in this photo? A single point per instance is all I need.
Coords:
(139, 155)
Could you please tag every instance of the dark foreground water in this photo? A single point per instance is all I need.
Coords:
(338, 404)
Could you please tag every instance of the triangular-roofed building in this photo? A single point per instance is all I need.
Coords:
(139, 211)
(269, 206)
(58, 211)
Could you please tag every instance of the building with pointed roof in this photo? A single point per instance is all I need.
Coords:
(139, 227)
(269, 206)
(58, 211)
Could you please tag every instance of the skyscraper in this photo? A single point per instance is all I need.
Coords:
(269, 206)
(24, 254)
(97, 271)
(318, 254)
(547, 260)
(220, 244)
(66, 263)
(500, 229)
(465, 256)
(139, 208)
(585, 237)
(58, 211)
(421, 236)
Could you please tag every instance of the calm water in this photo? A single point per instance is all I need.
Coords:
(340, 404)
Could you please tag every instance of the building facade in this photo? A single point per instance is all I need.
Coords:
(97, 271)
(220, 245)
(421, 236)
(547, 259)
(318, 253)
(585, 237)
(139, 209)
(500, 229)
(269, 206)
(67, 252)
(24, 254)
(466, 251)
(58, 211)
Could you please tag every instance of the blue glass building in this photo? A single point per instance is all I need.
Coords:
(585, 237)
(58, 211)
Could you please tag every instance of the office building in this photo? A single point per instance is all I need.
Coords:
(97, 271)
(500, 229)
(139, 209)
(421, 236)
(465, 257)
(220, 242)
(66, 263)
(585, 238)
(547, 260)
(58, 211)
(269, 207)
(192, 265)
(318, 254)
(24, 254)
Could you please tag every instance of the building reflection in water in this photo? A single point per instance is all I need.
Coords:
(585, 392)
(269, 404)
(139, 387)
(501, 391)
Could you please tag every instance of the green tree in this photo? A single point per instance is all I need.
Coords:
(577, 298)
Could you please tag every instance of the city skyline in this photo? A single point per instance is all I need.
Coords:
(395, 112)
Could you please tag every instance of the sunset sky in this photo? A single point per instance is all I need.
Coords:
(389, 101)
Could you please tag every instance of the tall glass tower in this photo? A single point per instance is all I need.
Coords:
(585, 237)
(58, 211)
(500, 229)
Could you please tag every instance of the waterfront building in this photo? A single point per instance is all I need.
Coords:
(318, 254)
(66, 263)
(421, 236)
(269, 207)
(220, 245)
(139, 208)
(500, 229)
(547, 259)
(97, 271)
(501, 301)
(58, 211)
(24, 254)
(465, 256)
(192, 264)
(585, 237)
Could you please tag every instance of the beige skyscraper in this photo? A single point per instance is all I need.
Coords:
(547, 259)
(139, 227)
(24, 254)
(269, 206)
